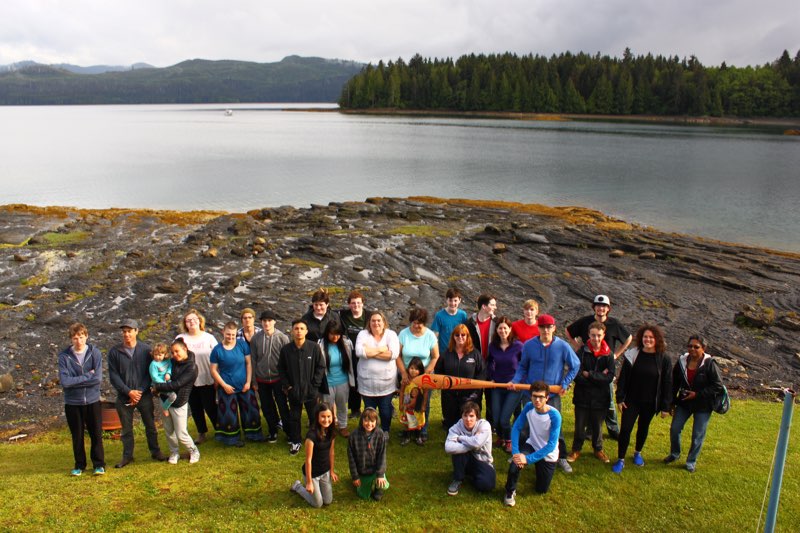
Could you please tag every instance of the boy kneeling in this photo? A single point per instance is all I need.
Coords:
(469, 442)
(541, 447)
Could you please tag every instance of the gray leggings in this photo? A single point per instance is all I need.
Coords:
(323, 490)
(338, 398)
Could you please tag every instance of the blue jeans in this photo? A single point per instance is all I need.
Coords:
(699, 426)
(384, 406)
(503, 403)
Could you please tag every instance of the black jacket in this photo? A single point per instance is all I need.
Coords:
(592, 392)
(302, 371)
(662, 397)
(130, 373)
(470, 366)
(707, 384)
(181, 381)
(316, 327)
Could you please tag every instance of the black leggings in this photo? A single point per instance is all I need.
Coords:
(629, 416)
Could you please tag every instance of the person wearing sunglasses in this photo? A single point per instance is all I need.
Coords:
(695, 382)
(461, 359)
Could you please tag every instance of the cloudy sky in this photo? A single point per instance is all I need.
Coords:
(165, 32)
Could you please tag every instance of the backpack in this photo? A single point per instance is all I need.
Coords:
(722, 402)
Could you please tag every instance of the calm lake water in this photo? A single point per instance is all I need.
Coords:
(733, 184)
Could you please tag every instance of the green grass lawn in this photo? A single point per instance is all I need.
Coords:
(248, 489)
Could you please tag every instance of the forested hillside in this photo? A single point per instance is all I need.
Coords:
(579, 83)
(294, 79)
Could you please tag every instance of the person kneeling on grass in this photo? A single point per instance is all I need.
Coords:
(469, 443)
(366, 452)
(317, 469)
(540, 449)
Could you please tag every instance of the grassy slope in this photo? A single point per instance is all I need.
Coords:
(248, 488)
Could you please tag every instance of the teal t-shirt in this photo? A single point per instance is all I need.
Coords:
(444, 323)
(336, 375)
(417, 346)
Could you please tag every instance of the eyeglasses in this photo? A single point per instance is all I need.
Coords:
(539, 396)
(459, 334)
(694, 346)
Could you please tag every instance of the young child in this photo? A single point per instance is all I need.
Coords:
(540, 449)
(412, 415)
(366, 452)
(161, 372)
(318, 472)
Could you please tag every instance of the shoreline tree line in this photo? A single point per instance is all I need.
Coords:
(579, 83)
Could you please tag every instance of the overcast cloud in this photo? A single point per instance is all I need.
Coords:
(165, 32)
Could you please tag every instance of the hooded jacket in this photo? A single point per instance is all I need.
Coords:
(540, 362)
(81, 383)
(662, 396)
(707, 383)
(592, 392)
(181, 381)
(302, 371)
(478, 442)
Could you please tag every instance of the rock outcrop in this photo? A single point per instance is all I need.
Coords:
(61, 265)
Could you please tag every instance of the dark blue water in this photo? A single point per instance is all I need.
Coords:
(732, 184)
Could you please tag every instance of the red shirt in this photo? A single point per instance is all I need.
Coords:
(523, 331)
(483, 328)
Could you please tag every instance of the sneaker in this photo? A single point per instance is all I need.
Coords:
(420, 442)
(691, 467)
(296, 486)
(173, 458)
(510, 500)
(272, 438)
(294, 449)
(377, 494)
(618, 466)
(99, 471)
(76, 472)
(601, 455)
(405, 440)
(280, 424)
(573, 456)
(565, 466)
(387, 435)
(455, 485)
(194, 456)
(670, 459)
(638, 460)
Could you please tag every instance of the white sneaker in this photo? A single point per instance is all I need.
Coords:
(510, 499)
(296, 486)
(173, 458)
(194, 455)
(565, 466)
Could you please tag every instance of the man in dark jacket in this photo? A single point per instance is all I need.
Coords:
(301, 367)
(128, 370)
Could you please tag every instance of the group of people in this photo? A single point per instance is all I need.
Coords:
(333, 361)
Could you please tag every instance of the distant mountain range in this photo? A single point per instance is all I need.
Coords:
(293, 79)
(94, 69)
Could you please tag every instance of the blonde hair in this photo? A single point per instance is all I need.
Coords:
(200, 317)
(247, 310)
(531, 304)
(161, 349)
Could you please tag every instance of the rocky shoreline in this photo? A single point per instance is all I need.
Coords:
(61, 265)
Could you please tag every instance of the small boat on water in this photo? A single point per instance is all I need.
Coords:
(229, 112)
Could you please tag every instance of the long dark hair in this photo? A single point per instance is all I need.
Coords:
(511, 336)
(325, 433)
(334, 327)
